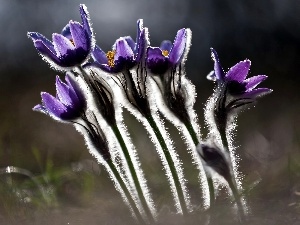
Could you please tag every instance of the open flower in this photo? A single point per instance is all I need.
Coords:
(235, 79)
(166, 64)
(70, 48)
(160, 59)
(125, 53)
(68, 104)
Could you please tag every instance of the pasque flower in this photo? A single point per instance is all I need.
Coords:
(125, 53)
(235, 79)
(70, 48)
(69, 103)
(234, 90)
(166, 64)
(126, 60)
(160, 59)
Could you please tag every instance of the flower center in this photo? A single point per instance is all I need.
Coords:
(111, 58)
(165, 53)
(236, 88)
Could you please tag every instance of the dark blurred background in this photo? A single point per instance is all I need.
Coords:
(267, 32)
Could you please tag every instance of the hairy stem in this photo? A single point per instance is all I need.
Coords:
(231, 182)
(126, 192)
(211, 189)
(133, 173)
(237, 197)
(171, 164)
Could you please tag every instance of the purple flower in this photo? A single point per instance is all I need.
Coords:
(235, 79)
(68, 104)
(125, 53)
(160, 59)
(70, 48)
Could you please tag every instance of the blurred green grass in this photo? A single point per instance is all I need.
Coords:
(271, 168)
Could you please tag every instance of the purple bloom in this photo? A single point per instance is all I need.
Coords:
(235, 79)
(70, 48)
(68, 104)
(125, 53)
(160, 59)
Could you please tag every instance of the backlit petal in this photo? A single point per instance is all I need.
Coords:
(67, 32)
(166, 45)
(177, 51)
(85, 17)
(156, 61)
(79, 36)
(53, 105)
(99, 56)
(123, 50)
(44, 50)
(219, 73)
(37, 36)
(63, 92)
(62, 44)
(130, 42)
(239, 71)
(252, 82)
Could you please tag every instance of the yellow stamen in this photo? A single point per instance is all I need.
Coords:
(165, 52)
(111, 58)
(72, 41)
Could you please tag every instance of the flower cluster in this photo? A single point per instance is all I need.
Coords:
(146, 80)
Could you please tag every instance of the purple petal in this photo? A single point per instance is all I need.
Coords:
(177, 51)
(62, 44)
(67, 32)
(37, 36)
(104, 67)
(219, 73)
(211, 76)
(156, 61)
(40, 108)
(166, 45)
(258, 92)
(53, 105)
(63, 92)
(130, 42)
(45, 51)
(155, 53)
(75, 91)
(123, 50)
(85, 17)
(252, 82)
(99, 56)
(139, 30)
(79, 36)
(141, 46)
(239, 71)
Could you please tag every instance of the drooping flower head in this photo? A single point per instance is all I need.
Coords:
(125, 53)
(69, 103)
(235, 79)
(160, 59)
(216, 161)
(70, 48)
(213, 158)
